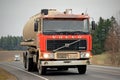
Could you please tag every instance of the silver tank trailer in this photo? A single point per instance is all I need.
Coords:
(29, 35)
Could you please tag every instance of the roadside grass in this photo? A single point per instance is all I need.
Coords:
(104, 59)
(8, 56)
(4, 75)
(99, 59)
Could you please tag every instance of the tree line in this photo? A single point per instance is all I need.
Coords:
(11, 43)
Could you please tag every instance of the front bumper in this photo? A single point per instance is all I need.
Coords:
(64, 63)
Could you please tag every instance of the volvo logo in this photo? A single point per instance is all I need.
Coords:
(67, 45)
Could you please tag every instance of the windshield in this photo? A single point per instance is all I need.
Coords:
(65, 26)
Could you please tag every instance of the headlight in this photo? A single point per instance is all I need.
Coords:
(85, 54)
(48, 55)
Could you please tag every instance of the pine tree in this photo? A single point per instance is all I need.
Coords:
(100, 34)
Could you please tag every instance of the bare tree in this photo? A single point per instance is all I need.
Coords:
(112, 43)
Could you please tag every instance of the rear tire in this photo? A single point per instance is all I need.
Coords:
(82, 69)
(29, 64)
(24, 59)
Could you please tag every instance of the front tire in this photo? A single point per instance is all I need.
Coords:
(41, 69)
(82, 69)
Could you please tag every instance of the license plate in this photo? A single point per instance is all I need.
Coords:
(72, 56)
(62, 56)
(67, 56)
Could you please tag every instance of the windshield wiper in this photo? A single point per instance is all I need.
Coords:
(66, 45)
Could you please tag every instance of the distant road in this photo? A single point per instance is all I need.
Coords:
(93, 73)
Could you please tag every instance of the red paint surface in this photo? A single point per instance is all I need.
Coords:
(43, 38)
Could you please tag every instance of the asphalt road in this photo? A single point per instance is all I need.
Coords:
(93, 73)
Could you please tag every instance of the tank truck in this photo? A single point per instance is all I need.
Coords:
(59, 40)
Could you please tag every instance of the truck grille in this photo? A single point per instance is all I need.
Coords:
(55, 44)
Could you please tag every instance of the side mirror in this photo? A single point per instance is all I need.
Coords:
(93, 25)
(36, 26)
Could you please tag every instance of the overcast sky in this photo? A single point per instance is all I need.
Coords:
(15, 13)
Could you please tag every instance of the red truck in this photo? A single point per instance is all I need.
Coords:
(60, 40)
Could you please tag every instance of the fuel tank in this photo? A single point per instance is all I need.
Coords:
(28, 30)
(29, 35)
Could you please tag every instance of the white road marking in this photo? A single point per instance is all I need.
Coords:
(28, 72)
(105, 69)
(108, 67)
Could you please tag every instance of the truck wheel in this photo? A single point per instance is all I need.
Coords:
(24, 59)
(29, 63)
(82, 69)
(41, 69)
(35, 67)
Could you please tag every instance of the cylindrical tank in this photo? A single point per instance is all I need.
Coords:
(28, 30)
(29, 35)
